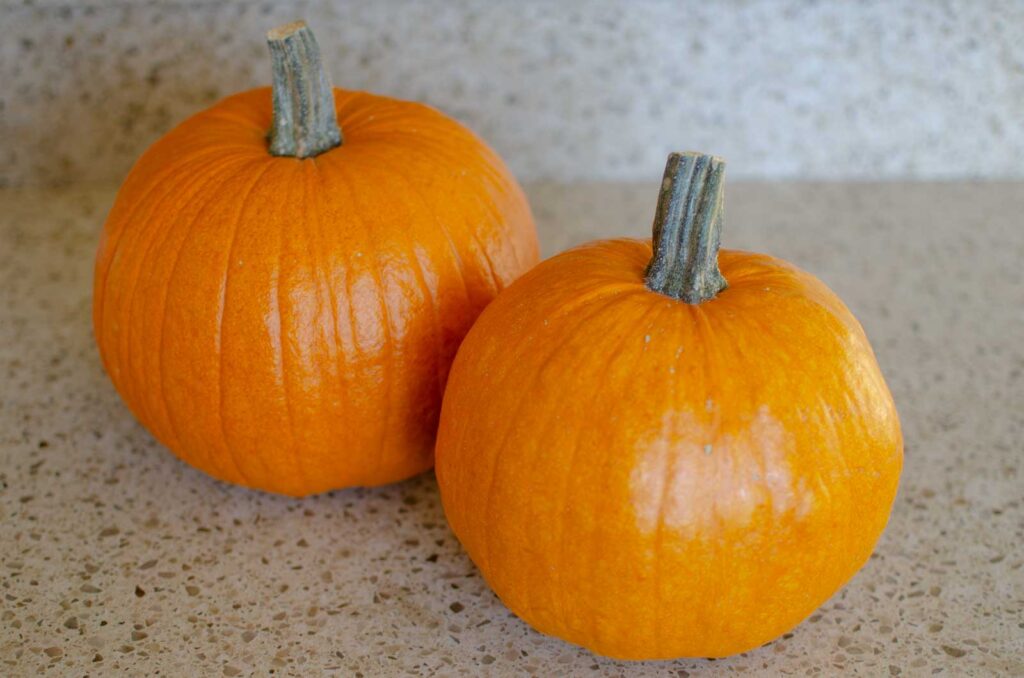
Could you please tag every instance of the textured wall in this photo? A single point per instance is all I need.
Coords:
(564, 90)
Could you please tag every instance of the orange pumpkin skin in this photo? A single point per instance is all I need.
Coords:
(289, 324)
(653, 479)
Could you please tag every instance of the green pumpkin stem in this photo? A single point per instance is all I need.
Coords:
(305, 123)
(687, 228)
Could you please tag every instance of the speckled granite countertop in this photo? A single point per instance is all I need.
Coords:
(117, 559)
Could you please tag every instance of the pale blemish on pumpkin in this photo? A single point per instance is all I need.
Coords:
(647, 485)
(693, 487)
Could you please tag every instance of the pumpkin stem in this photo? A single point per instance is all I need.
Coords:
(687, 228)
(305, 123)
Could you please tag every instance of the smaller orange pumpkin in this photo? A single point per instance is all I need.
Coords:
(653, 457)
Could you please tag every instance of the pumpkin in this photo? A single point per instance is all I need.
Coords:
(283, 313)
(666, 451)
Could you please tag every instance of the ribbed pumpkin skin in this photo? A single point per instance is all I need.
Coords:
(289, 324)
(652, 479)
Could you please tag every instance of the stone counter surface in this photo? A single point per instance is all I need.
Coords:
(117, 559)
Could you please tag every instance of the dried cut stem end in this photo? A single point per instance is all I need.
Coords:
(687, 228)
(305, 123)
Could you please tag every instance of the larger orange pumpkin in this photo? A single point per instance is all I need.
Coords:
(653, 457)
(284, 315)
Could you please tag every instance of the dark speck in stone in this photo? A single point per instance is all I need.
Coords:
(953, 651)
(139, 592)
(456, 607)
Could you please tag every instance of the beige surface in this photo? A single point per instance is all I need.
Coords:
(115, 557)
(570, 90)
